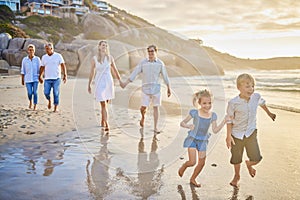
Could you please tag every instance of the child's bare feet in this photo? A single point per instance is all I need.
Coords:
(49, 104)
(181, 170)
(34, 107)
(194, 183)
(30, 104)
(251, 170)
(235, 181)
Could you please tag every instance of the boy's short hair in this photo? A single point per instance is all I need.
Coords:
(152, 46)
(244, 77)
(31, 46)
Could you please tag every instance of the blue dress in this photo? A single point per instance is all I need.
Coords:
(198, 138)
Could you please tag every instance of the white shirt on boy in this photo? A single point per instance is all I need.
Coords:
(243, 114)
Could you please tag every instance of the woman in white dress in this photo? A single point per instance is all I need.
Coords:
(102, 65)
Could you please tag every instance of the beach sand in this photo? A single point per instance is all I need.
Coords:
(65, 155)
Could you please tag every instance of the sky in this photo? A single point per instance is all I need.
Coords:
(242, 28)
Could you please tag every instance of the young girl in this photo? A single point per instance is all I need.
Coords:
(198, 135)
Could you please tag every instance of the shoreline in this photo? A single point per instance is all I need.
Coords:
(69, 157)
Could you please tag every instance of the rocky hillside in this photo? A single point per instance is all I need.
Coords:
(128, 36)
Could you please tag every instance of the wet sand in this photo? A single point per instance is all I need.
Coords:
(65, 155)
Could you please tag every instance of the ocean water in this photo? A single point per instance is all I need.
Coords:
(280, 88)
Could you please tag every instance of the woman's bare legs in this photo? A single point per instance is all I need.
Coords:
(104, 115)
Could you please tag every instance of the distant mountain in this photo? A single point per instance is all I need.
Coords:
(229, 62)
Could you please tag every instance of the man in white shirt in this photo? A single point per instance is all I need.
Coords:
(52, 66)
(151, 68)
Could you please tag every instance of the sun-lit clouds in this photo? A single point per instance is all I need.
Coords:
(217, 21)
(172, 14)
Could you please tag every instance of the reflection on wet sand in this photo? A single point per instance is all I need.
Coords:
(98, 178)
(235, 195)
(149, 178)
(51, 151)
(195, 195)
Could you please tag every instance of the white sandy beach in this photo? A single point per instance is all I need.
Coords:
(64, 155)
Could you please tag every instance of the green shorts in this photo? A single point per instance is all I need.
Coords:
(251, 146)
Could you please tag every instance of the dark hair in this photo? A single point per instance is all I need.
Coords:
(152, 46)
(50, 45)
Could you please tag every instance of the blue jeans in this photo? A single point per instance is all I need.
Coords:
(32, 90)
(52, 83)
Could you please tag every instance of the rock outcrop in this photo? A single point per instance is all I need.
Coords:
(128, 37)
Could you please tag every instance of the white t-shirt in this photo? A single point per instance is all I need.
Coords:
(52, 65)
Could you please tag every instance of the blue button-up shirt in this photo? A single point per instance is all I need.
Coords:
(31, 69)
(151, 72)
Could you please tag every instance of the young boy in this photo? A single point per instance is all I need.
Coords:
(241, 128)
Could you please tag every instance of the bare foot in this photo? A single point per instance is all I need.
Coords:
(30, 104)
(251, 170)
(49, 104)
(55, 108)
(194, 183)
(181, 170)
(156, 131)
(102, 123)
(235, 181)
(34, 107)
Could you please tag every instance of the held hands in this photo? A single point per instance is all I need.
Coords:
(122, 84)
(229, 141)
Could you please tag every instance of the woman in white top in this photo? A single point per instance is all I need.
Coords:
(102, 65)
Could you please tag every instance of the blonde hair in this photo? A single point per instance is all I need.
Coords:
(198, 95)
(99, 56)
(244, 77)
